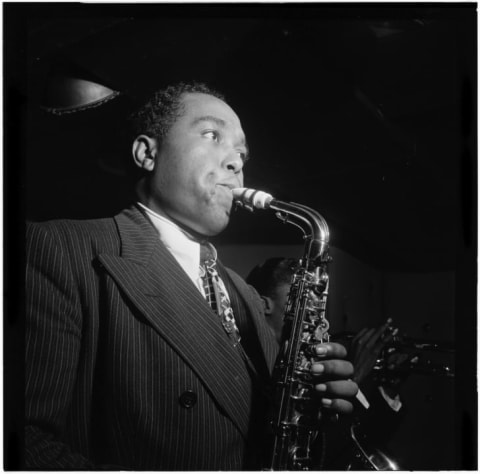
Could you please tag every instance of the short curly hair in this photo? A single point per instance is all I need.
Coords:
(163, 108)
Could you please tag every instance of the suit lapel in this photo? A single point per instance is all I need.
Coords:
(154, 281)
(267, 342)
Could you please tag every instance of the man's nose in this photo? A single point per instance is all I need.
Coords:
(233, 162)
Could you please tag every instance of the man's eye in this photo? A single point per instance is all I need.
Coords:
(243, 156)
(211, 134)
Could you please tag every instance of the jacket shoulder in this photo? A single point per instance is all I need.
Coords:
(97, 235)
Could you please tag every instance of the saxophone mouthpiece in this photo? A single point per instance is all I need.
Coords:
(252, 198)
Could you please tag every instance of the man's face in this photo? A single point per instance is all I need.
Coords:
(198, 163)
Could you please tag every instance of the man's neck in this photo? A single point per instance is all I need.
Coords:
(192, 234)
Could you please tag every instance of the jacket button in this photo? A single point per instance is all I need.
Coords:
(188, 399)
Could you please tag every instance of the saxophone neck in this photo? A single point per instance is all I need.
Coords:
(312, 224)
(314, 227)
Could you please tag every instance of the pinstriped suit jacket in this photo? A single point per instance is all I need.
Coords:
(116, 332)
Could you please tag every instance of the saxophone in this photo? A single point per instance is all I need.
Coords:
(295, 422)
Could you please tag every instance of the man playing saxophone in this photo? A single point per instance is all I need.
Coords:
(143, 351)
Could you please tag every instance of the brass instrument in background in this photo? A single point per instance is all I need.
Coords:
(422, 357)
(295, 421)
(413, 356)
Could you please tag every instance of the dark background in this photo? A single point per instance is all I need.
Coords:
(366, 113)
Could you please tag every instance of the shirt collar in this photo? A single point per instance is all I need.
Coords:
(184, 247)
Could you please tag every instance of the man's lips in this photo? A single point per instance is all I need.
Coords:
(229, 186)
(226, 192)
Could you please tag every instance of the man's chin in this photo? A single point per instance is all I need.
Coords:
(215, 229)
(211, 227)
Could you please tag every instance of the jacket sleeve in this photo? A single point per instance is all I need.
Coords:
(53, 328)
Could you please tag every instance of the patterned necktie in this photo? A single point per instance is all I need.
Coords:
(216, 293)
(207, 261)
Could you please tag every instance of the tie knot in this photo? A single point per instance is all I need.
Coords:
(207, 253)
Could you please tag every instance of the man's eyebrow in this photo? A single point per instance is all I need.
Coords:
(209, 118)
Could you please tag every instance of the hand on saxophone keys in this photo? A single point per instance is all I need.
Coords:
(332, 378)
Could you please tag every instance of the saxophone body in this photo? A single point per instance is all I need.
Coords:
(296, 420)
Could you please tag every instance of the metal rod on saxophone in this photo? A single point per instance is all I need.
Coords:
(312, 224)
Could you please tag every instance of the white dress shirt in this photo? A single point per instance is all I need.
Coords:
(182, 246)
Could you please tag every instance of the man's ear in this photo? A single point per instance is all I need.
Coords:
(144, 151)
(267, 304)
